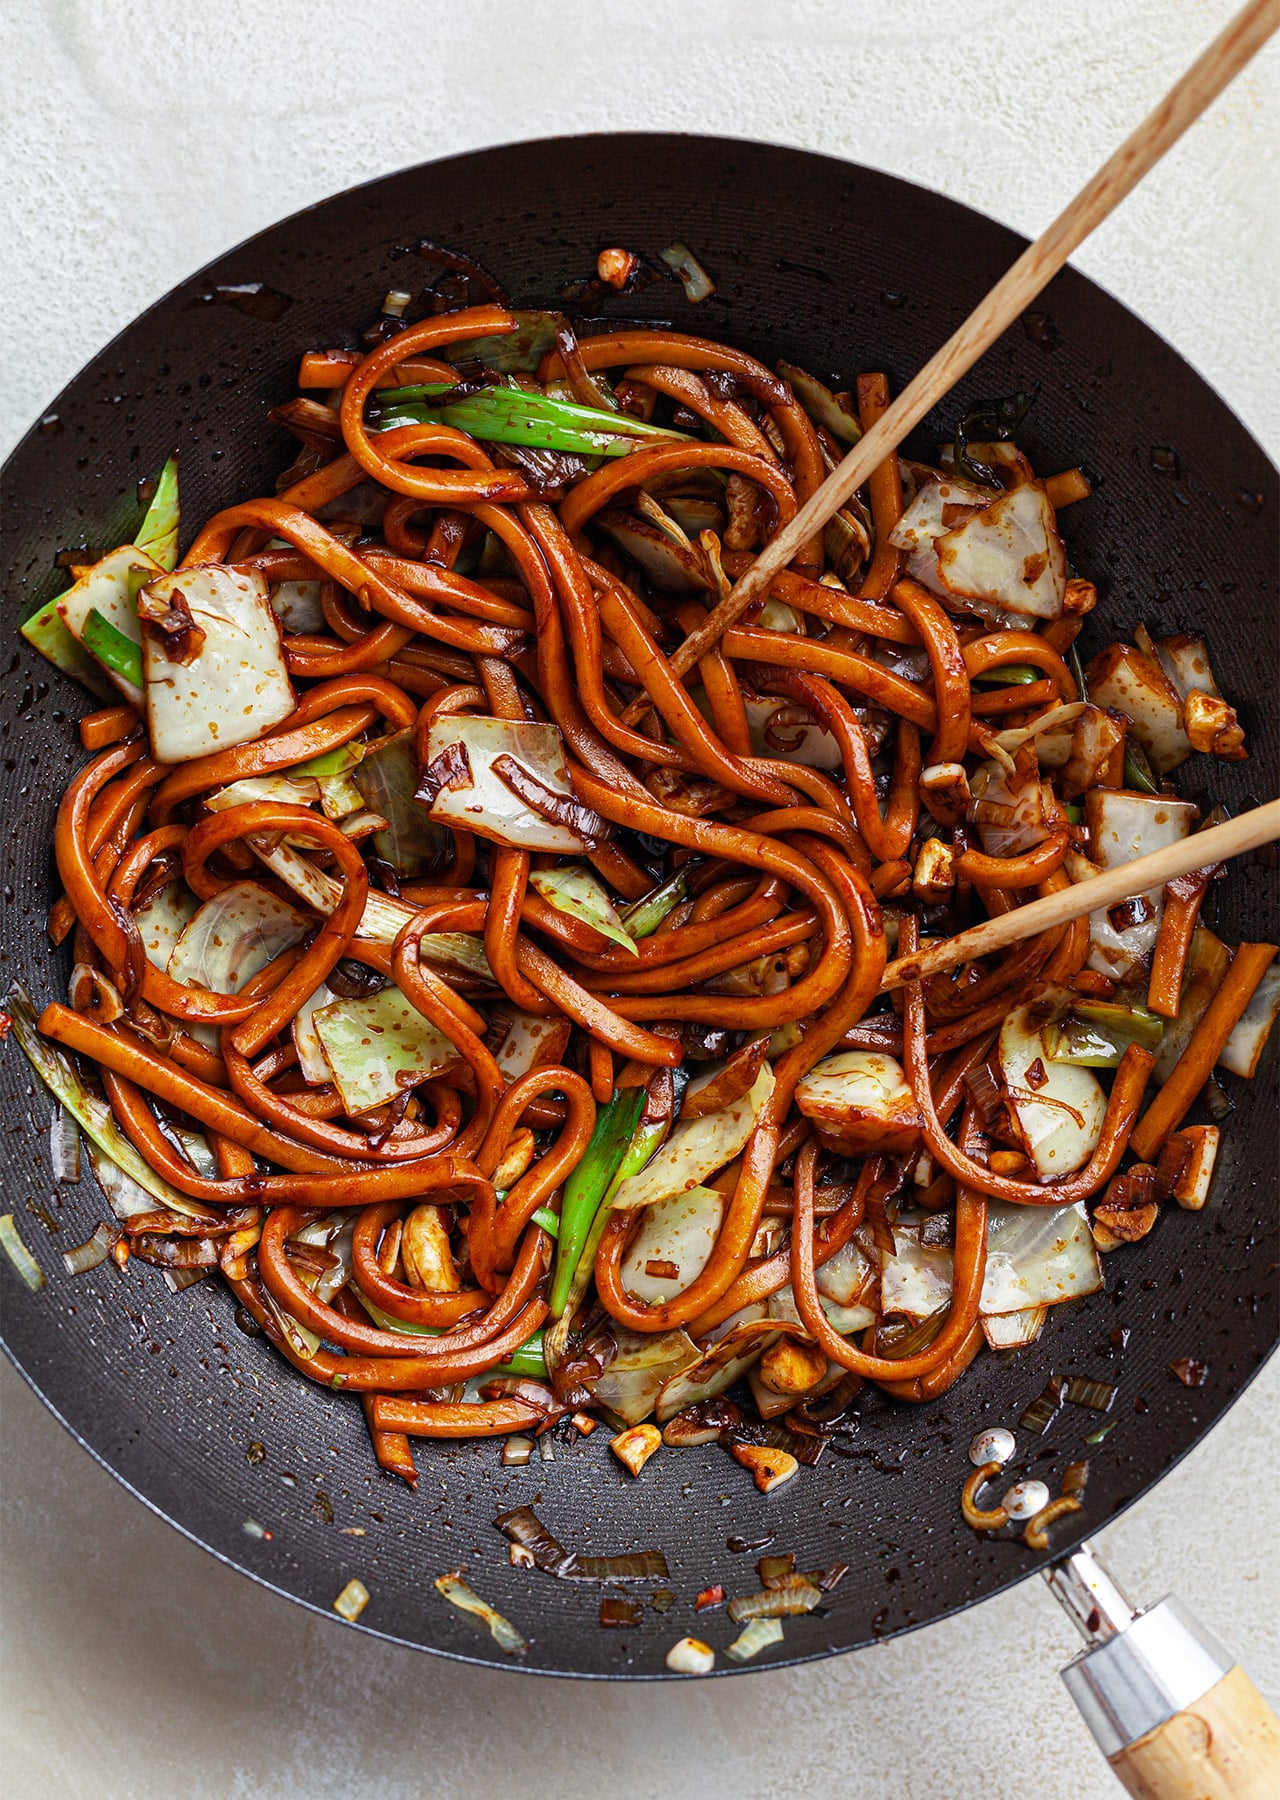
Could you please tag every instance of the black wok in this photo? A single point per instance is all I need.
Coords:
(840, 269)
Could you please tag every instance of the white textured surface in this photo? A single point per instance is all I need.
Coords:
(136, 143)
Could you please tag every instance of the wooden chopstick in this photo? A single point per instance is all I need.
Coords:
(1199, 851)
(1225, 57)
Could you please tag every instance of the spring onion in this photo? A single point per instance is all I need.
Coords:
(511, 415)
(501, 1630)
(21, 1258)
(549, 1221)
(1077, 671)
(112, 648)
(586, 1187)
(1137, 770)
(643, 917)
(1011, 675)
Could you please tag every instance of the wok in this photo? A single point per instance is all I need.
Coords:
(839, 269)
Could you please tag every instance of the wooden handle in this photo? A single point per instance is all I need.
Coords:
(1225, 1746)
(1261, 825)
(1038, 264)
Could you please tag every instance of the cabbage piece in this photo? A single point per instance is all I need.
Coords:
(792, 739)
(671, 567)
(582, 895)
(233, 684)
(162, 920)
(297, 605)
(293, 790)
(847, 1276)
(378, 1046)
(110, 588)
(1008, 810)
(745, 1339)
(1012, 1331)
(231, 937)
(1243, 1049)
(528, 1041)
(1057, 1108)
(1138, 687)
(386, 776)
(860, 1101)
(645, 1363)
(1185, 660)
(1122, 826)
(1009, 556)
(486, 804)
(696, 1149)
(844, 1319)
(1037, 1256)
(673, 1245)
(916, 1279)
(922, 524)
(312, 1060)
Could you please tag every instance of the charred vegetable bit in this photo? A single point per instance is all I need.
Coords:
(475, 960)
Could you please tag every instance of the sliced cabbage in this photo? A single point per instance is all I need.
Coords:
(917, 1278)
(297, 605)
(846, 1276)
(921, 524)
(386, 776)
(645, 1363)
(1037, 1256)
(233, 686)
(696, 1149)
(1012, 1331)
(231, 937)
(486, 804)
(377, 1046)
(582, 895)
(1009, 556)
(1243, 1049)
(162, 920)
(312, 1060)
(1059, 1118)
(744, 1339)
(110, 587)
(860, 1101)
(384, 917)
(1008, 809)
(1185, 660)
(787, 738)
(1122, 826)
(844, 1319)
(292, 790)
(1138, 687)
(670, 566)
(528, 1042)
(678, 1234)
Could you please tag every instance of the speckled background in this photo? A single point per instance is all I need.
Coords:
(135, 144)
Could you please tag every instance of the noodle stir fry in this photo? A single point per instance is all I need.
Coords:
(496, 1005)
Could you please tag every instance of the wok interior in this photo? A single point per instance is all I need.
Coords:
(839, 270)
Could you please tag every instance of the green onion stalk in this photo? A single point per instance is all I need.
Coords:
(644, 916)
(514, 415)
(112, 648)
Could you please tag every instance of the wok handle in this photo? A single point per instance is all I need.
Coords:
(1224, 1746)
(1171, 1710)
